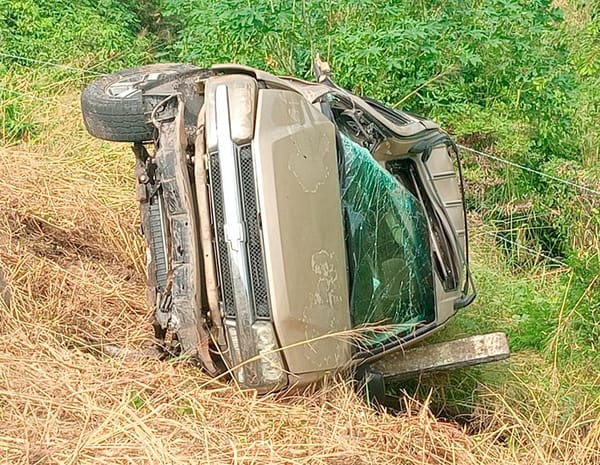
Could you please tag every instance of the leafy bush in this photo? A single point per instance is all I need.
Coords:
(101, 34)
(585, 38)
(453, 60)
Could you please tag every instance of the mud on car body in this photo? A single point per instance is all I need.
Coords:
(284, 218)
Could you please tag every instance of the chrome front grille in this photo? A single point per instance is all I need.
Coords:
(254, 244)
(221, 245)
(254, 247)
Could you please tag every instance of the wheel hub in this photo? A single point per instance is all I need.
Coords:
(131, 85)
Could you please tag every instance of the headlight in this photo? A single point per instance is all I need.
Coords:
(271, 361)
(266, 370)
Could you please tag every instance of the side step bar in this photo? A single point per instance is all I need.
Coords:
(402, 365)
(459, 353)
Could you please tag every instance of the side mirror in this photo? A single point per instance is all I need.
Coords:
(321, 69)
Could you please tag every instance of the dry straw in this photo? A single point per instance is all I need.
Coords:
(69, 248)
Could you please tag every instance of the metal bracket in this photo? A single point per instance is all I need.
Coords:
(371, 383)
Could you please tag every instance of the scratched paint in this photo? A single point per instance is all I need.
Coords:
(310, 145)
(327, 287)
(307, 160)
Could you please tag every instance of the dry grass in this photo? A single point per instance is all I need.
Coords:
(74, 264)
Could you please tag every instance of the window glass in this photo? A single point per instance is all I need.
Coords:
(387, 236)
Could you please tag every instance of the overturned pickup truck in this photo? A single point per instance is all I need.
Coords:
(293, 229)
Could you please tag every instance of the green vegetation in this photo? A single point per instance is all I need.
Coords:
(518, 79)
(461, 62)
(103, 35)
(86, 37)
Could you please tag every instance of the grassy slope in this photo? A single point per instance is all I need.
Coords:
(75, 266)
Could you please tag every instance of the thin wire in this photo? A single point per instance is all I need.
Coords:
(477, 152)
(531, 170)
(36, 97)
(49, 63)
(527, 249)
(155, 122)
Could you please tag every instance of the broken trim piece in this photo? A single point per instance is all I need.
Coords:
(184, 317)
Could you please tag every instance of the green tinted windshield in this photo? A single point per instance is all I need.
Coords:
(389, 251)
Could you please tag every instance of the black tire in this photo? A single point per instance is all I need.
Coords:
(122, 118)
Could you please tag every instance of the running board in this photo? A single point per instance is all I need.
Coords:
(460, 353)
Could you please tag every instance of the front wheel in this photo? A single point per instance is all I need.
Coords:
(113, 106)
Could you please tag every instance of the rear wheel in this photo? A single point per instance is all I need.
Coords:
(113, 106)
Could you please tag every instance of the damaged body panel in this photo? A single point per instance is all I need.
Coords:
(171, 224)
